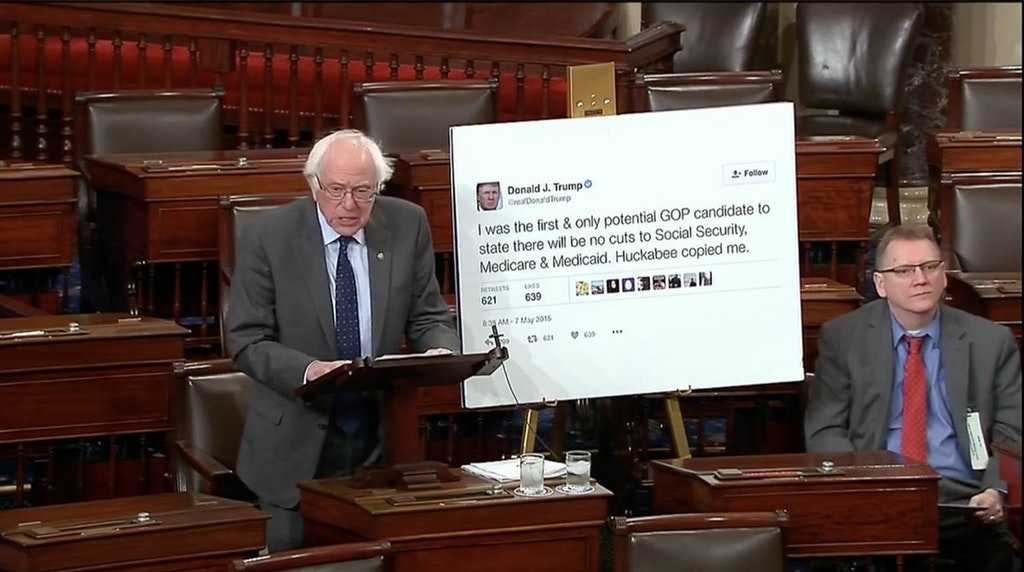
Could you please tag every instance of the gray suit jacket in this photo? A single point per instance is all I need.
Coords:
(848, 408)
(280, 319)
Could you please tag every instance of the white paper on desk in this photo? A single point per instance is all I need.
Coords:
(507, 471)
(429, 353)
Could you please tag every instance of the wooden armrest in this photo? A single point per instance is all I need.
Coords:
(653, 44)
(209, 468)
(698, 521)
(215, 366)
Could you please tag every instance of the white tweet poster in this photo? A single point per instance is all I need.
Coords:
(633, 254)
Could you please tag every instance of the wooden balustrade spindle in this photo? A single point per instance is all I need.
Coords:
(141, 47)
(243, 97)
(833, 267)
(19, 476)
(51, 470)
(41, 144)
(368, 64)
(445, 69)
(418, 66)
(204, 306)
(268, 94)
(520, 91)
(470, 70)
(168, 62)
(15, 95)
(117, 60)
(344, 93)
(151, 288)
(293, 96)
(176, 311)
(67, 93)
(318, 93)
(496, 70)
(193, 62)
(393, 67)
(90, 65)
(545, 91)
(111, 466)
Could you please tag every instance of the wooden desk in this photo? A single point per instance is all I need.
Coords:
(163, 208)
(967, 158)
(200, 533)
(835, 180)
(113, 377)
(557, 533)
(993, 295)
(38, 221)
(877, 505)
(822, 299)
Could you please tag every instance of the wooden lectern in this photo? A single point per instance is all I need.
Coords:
(839, 504)
(399, 377)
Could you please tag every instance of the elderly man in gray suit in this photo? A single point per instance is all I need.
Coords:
(910, 375)
(318, 283)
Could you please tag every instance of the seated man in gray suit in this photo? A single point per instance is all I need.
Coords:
(908, 374)
(319, 282)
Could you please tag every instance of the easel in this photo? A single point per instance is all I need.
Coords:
(673, 412)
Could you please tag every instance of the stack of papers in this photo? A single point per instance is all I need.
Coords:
(507, 471)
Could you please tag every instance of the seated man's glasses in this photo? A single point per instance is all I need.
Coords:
(362, 194)
(906, 271)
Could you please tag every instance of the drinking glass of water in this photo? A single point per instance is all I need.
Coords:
(531, 475)
(577, 473)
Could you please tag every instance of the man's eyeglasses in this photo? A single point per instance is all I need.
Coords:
(906, 271)
(361, 194)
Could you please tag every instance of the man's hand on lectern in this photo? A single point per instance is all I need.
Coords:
(319, 368)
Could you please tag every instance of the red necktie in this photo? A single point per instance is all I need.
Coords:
(914, 444)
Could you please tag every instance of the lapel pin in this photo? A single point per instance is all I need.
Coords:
(380, 256)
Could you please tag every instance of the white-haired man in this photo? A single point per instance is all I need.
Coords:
(319, 282)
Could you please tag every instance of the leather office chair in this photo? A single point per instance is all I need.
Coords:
(415, 115)
(350, 557)
(135, 121)
(663, 92)
(236, 212)
(984, 98)
(984, 228)
(853, 59)
(719, 36)
(705, 542)
(211, 404)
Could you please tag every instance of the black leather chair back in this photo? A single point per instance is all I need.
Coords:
(986, 234)
(990, 103)
(704, 542)
(216, 407)
(853, 57)
(142, 121)
(719, 36)
(416, 115)
(663, 92)
(721, 550)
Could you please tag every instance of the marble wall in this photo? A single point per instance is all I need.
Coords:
(924, 106)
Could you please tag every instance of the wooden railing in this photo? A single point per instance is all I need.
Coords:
(287, 79)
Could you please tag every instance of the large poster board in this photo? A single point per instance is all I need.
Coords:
(632, 254)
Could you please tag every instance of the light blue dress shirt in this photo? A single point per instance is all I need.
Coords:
(357, 256)
(943, 452)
